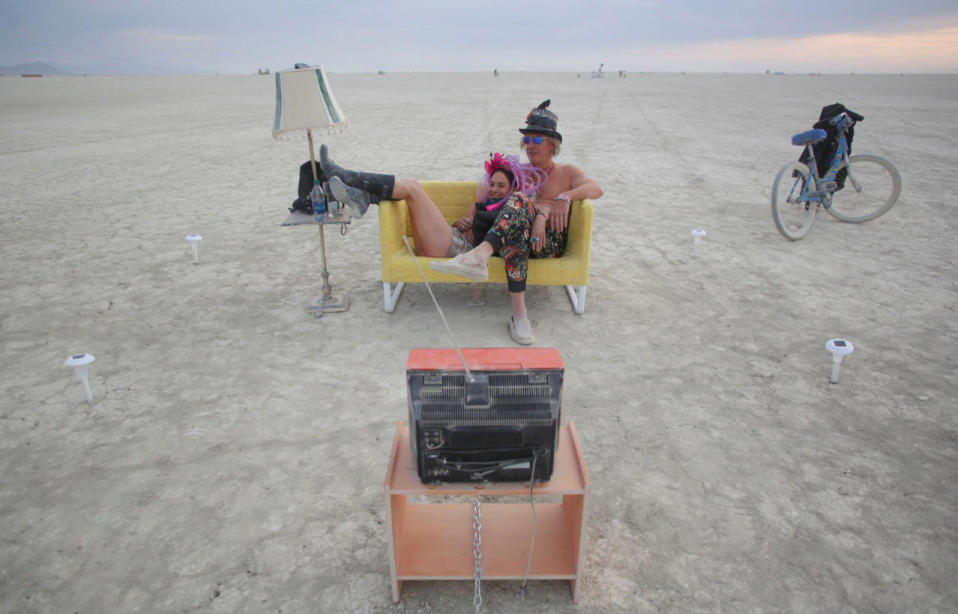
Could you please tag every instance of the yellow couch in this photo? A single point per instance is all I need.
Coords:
(453, 198)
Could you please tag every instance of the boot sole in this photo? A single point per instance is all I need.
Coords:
(340, 193)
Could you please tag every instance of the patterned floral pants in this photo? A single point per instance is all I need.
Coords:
(510, 237)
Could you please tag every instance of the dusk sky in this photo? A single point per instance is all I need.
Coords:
(238, 36)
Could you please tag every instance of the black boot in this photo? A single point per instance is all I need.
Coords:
(379, 187)
(356, 199)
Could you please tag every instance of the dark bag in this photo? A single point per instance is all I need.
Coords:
(482, 223)
(302, 203)
(825, 149)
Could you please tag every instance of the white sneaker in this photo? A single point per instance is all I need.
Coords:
(459, 266)
(521, 331)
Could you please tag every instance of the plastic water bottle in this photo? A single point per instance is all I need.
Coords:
(318, 199)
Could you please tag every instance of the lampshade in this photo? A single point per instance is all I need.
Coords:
(304, 100)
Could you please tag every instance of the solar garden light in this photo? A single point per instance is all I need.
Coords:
(697, 235)
(79, 362)
(839, 348)
(194, 241)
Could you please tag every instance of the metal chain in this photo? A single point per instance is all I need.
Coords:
(477, 553)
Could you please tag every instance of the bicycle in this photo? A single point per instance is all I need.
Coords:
(799, 191)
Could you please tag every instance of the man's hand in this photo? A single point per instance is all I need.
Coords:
(559, 216)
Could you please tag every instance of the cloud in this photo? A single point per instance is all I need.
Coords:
(927, 50)
(364, 35)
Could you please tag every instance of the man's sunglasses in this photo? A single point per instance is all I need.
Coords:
(532, 139)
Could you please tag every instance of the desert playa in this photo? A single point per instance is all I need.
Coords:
(234, 455)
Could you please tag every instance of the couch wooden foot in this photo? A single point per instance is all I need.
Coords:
(391, 295)
(577, 297)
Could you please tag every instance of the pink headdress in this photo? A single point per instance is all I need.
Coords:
(497, 161)
(525, 177)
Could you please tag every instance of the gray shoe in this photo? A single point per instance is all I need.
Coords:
(521, 331)
(354, 198)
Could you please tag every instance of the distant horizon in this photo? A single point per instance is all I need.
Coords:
(477, 71)
(608, 73)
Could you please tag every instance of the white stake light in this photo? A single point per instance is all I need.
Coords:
(79, 362)
(697, 235)
(194, 241)
(839, 348)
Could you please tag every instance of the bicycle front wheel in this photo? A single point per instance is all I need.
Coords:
(871, 188)
(793, 215)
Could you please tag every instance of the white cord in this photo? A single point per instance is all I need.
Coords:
(438, 308)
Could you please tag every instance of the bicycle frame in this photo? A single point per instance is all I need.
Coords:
(824, 187)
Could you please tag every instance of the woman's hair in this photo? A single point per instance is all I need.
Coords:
(505, 171)
(522, 177)
(556, 144)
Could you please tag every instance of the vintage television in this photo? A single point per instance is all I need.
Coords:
(493, 423)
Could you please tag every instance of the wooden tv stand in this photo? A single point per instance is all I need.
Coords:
(433, 541)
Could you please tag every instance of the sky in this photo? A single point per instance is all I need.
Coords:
(242, 36)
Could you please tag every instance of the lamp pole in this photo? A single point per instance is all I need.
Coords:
(327, 302)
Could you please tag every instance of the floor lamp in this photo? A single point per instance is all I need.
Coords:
(305, 101)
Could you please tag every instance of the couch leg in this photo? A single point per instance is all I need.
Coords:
(391, 296)
(577, 297)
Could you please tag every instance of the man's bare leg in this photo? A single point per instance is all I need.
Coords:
(519, 304)
(430, 230)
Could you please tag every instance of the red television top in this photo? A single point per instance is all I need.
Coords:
(484, 359)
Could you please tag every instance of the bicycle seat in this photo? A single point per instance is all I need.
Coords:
(809, 136)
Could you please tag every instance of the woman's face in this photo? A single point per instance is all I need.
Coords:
(498, 185)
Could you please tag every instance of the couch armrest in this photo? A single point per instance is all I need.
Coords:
(579, 244)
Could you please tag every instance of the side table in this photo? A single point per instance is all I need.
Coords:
(327, 302)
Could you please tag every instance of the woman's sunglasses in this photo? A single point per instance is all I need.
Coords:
(532, 139)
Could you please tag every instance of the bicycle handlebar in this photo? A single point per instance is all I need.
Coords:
(841, 121)
(845, 120)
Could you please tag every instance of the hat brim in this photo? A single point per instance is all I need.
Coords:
(543, 131)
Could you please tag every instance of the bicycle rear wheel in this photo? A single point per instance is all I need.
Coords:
(793, 216)
(872, 187)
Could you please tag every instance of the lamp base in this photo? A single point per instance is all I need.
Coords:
(328, 304)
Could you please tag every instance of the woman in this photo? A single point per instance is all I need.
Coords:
(503, 177)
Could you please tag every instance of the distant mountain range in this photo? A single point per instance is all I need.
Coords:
(33, 68)
(113, 66)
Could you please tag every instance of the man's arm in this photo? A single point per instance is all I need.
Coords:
(583, 186)
(580, 186)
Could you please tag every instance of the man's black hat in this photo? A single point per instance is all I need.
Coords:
(541, 120)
